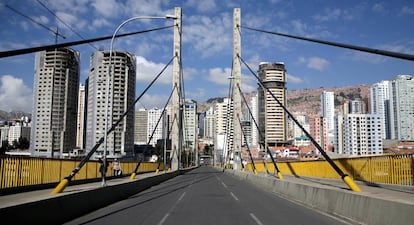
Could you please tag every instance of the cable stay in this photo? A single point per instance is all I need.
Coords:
(73, 43)
(336, 44)
(67, 179)
(345, 177)
(152, 135)
(279, 174)
(247, 145)
(229, 121)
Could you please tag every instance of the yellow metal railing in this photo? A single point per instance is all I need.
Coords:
(25, 171)
(386, 169)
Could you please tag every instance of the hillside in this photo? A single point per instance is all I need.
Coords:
(308, 100)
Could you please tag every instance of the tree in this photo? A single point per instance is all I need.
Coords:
(4, 147)
(24, 143)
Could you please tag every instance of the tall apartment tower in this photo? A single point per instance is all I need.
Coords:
(141, 127)
(154, 129)
(328, 111)
(80, 132)
(402, 108)
(121, 96)
(190, 124)
(318, 130)
(56, 85)
(271, 117)
(362, 134)
(255, 132)
(379, 100)
(209, 124)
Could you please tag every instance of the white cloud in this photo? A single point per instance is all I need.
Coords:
(197, 94)
(407, 10)
(106, 8)
(148, 70)
(316, 63)
(208, 36)
(202, 6)
(378, 7)
(219, 76)
(14, 94)
(149, 101)
(293, 79)
(72, 20)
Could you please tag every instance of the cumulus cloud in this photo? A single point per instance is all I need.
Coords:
(316, 63)
(407, 10)
(14, 94)
(202, 6)
(293, 79)
(209, 36)
(149, 101)
(148, 70)
(219, 75)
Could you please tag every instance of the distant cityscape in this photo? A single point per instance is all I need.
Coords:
(69, 118)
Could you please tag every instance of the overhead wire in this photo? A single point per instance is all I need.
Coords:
(52, 47)
(64, 23)
(336, 44)
(34, 21)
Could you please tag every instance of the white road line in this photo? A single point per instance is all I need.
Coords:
(234, 196)
(163, 219)
(256, 219)
(224, 185)
(172, 208)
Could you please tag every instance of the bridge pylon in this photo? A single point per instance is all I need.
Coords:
(236, 99)
(176, 137)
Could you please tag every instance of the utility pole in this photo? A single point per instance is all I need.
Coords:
(236, 101)
(176, 141)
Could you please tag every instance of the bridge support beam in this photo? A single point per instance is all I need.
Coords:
(176, 143)
(236, 99)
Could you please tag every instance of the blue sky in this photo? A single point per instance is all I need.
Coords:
(207, 42)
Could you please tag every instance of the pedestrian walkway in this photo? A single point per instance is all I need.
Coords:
(33, 196)
(400, 193)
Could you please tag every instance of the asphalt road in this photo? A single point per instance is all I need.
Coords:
(205, 196)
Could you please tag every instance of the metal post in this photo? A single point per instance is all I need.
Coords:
(236, 83)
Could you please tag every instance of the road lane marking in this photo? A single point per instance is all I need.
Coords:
(224, 185)
(171, 209)
(256, 219)
(234, 196)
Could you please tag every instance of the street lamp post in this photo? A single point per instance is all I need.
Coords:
(108, 82)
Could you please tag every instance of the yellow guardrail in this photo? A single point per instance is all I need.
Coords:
(386, 169)
(26, 171)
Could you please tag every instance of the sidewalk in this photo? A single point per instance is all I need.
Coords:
(403, 194)
(33, 196)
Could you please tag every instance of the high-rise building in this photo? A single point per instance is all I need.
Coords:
(362, 134)
(80, 133)
(271, 117)
(357, 106)
(318, 126)
(328, 111)
(339, 134)
(253, 109)
(155, 128)
(141, 127)
(190, 125)
(223, 127)
(56, 85)
(379, 100)
(209, 124)
(121, 93)
(402, 108)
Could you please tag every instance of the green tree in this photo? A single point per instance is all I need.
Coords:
(4, 147)
(24, 143)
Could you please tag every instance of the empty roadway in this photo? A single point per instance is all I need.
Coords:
(205, 196)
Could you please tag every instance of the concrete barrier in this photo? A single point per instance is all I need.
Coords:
(356, 207)
(61, 209)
